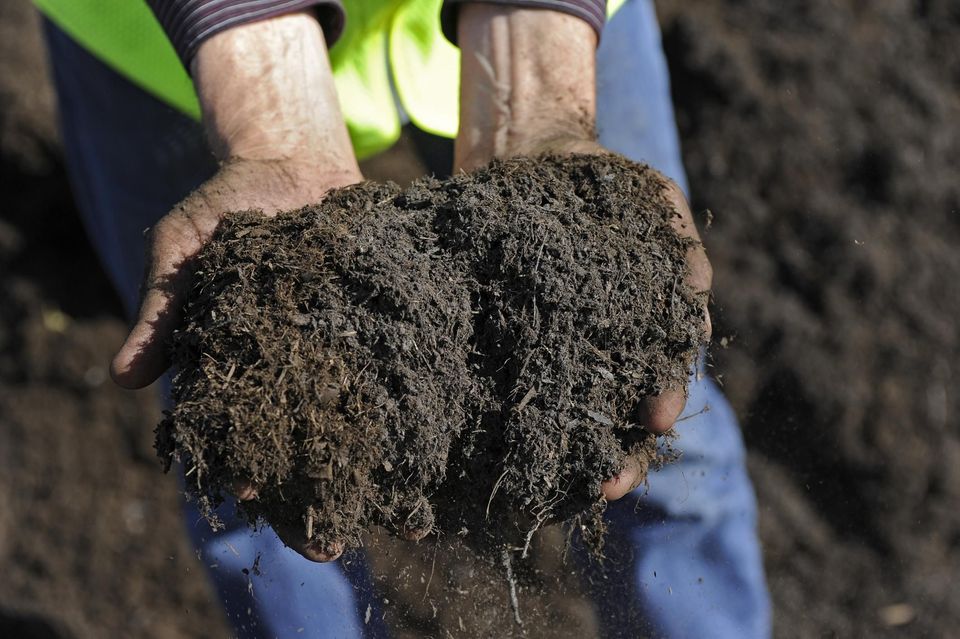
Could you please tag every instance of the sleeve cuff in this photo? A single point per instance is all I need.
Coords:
(189, 24)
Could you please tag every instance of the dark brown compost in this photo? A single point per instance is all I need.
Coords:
(466, 355)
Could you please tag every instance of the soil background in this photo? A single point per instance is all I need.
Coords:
(824, 137)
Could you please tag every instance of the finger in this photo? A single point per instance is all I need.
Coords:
(418, 523)
(623, 482)
(700, 275)
(658, 414)
(699, 271)
(294, 538)
(414, 534)
(243, 490)
(143, 356)
(322, 553)
(683, 222)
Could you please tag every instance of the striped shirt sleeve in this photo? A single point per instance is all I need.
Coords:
(593, 11)
(189, 22)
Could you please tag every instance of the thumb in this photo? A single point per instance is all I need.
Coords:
(143, 356)
(625, 481)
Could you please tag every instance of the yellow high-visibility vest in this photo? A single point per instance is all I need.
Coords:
(401, 38)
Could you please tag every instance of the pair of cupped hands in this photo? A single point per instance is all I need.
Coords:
(272, 117)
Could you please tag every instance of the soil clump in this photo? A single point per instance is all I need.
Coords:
(466, 355)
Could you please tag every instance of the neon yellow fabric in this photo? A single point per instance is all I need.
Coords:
(359, 63)
(126, 35)
(426, 68)
(382, 37)
(613, 6)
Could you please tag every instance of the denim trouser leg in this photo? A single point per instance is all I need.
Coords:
(685, 560)
(690, 559)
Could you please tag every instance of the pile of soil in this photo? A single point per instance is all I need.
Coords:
(467, 355)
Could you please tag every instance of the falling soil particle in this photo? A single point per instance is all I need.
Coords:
(467, 355)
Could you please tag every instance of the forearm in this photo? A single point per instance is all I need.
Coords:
(271, 112)
(267, 93)
(528, 77)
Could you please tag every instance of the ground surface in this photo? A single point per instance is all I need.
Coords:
(823, 136)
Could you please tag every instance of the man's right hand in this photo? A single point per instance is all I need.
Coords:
(273, 120)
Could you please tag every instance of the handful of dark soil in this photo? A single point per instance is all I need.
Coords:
(467, 355)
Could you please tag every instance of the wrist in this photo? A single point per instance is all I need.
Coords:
(267, 94)
(269, 186)
(297, 176)
(528, 82)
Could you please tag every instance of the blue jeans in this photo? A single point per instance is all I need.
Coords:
(685, 560)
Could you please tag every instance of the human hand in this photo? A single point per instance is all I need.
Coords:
(272, 117)
(528, 88)
(240, 185)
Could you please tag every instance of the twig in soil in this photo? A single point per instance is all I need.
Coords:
(705, 409)
(542, 516)
(568, 543)
(413, 512)
(673, 294)
(526, 543)
(526, 399)
(433, 566)
(493, 492)
(514, 602)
